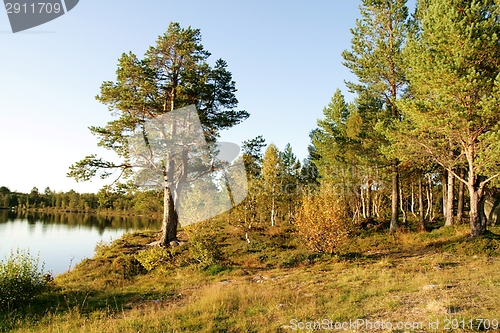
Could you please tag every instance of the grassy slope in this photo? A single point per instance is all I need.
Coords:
(406, 277)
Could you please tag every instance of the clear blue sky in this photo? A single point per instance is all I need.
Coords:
(285, 57)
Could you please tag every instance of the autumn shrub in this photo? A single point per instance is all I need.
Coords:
(21, 279)
(323, 222)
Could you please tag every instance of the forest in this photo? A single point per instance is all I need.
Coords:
(417, 143)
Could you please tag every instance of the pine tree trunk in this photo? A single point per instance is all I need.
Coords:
(449, 199)
(475, 221)
(482, 216)
(476, 194)
(170, 219)
(460, 203)
(395, 196)
(421, 205)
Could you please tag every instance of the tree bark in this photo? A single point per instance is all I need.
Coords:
(170, 219)
(401, 204)
(170, 216)
(395, 196)
(363, 205)
(475, 222)
(449, 199)
(369, 200)
(444, 188)
(460, 203)
(376, 210)
(476, 193)
(430, 200)
(421, 226)
(412, 207)
(273, 222)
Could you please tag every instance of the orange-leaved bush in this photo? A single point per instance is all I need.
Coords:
(323, 222)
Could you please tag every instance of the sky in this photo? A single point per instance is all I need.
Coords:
(285, 57)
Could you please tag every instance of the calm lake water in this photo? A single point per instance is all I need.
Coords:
(63, 239)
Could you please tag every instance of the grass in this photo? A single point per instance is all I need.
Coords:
(275, 284)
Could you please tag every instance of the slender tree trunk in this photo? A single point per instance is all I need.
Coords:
(273, 222)
(460, 203)
(395, 196)
(449, 199)
(401, 204)
(247, 237)
(412, 209)
(369, 200)
(430, 199)
(421, 206)
(363, 204)
(376, 210)
(444, 188)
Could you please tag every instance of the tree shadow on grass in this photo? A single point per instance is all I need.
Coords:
(484, 245)
(380, 245)
(81, 303)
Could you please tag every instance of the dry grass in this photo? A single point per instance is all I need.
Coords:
(275, 285)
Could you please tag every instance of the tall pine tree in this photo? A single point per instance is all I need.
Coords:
(377, 61)
(173, 73)
(455, 84)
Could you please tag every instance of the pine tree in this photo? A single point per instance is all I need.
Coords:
(377, 61)
(455, 84)
(309, 174)
(174, 73)
(346, 146)
(336, 150)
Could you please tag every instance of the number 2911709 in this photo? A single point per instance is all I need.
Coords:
(33, 8)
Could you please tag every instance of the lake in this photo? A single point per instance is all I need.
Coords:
(63, 240)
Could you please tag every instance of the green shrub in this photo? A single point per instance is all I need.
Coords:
(153, 257)
(203, 244)
(21, 279)
(205, 251)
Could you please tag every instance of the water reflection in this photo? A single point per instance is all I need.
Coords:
(101, 222)
(66, 238)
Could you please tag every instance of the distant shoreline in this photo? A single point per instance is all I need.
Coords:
(90, 212)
